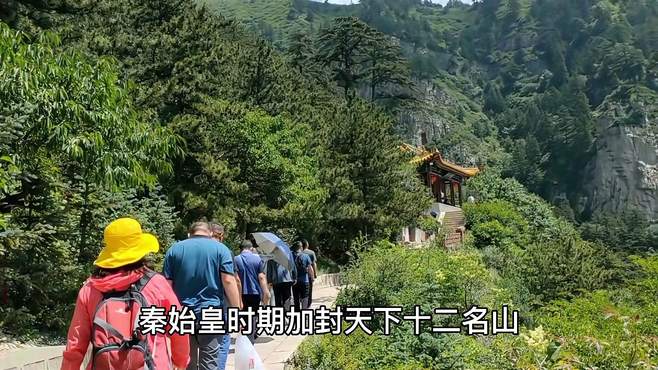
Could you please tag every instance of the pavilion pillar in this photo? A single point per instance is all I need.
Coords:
(461, 199)
(452, 193)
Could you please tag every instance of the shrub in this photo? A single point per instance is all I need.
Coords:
(496, 223)
(391, 275)
(488, 186)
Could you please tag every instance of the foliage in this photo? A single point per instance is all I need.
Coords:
(628, 230)
(541, 255)
(495, 224)
(389, 275)
(608, 329)
(356, 53)
(249, 169)
(71, 137)
(372, 191)
(489, 186)
(597, 329)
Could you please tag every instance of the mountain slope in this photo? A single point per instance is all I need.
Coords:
(563, 81)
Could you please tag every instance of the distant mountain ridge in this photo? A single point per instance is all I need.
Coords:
(492, 77)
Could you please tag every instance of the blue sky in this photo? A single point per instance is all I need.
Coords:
(356, 1)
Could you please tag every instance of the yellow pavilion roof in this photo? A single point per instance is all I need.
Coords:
(423, 155)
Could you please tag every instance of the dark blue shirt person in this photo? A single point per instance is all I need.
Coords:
(249, 266)
(303, 261)
(301, 289)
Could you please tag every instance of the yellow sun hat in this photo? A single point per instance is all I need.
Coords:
(125, 243)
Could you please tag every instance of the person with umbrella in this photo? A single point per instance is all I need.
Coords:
(281, 270)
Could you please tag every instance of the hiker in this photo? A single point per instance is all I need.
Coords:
(311, 278)
(282, 281)
(304, 268)
(217, 231)
(250, 273)
(109, 304)
(201, 272)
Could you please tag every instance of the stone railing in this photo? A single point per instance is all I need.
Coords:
(35, 358)
(328, 280)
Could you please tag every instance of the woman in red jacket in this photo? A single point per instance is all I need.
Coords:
(107, 311)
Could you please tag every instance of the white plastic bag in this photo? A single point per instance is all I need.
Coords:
(246, 357)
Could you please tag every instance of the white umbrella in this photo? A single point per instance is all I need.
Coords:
(270, 245)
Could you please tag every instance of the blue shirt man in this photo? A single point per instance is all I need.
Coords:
(304, 267)
(250, 272)
(249, 266)
(303, 261)
(194, 266)
(201, 273)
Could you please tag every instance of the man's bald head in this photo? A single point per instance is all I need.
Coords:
(200, 228)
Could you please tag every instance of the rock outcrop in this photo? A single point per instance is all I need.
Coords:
(624, 172)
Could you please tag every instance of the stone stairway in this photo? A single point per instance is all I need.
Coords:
(453, 225)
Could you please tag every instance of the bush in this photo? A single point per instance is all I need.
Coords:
(392, 275)
(488, 186)
(496, 224)
(566, 267)
(353, 352)
(540, 256)
(628, 230)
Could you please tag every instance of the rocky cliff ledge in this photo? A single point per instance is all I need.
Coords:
(624, 172)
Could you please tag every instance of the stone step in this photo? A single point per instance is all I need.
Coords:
(454, 239)
(453, 219)
(452, 222)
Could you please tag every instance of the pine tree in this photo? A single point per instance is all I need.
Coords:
(512, 14)
(358, 55)
(300, 50)
(493, 99)
(371, 190)
(343, 48)
(387, 66)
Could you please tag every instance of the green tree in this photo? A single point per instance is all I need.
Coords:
(342, 47)
(79, 111)
(70, 134)
(250, 170)
(372, 191)
(493, 99)
(358, 55)
(387, 67)
(512, 13)
(300, 52)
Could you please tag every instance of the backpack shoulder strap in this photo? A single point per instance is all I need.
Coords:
(139, 285)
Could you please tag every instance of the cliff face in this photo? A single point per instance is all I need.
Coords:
(424, 117)
(624, 172)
